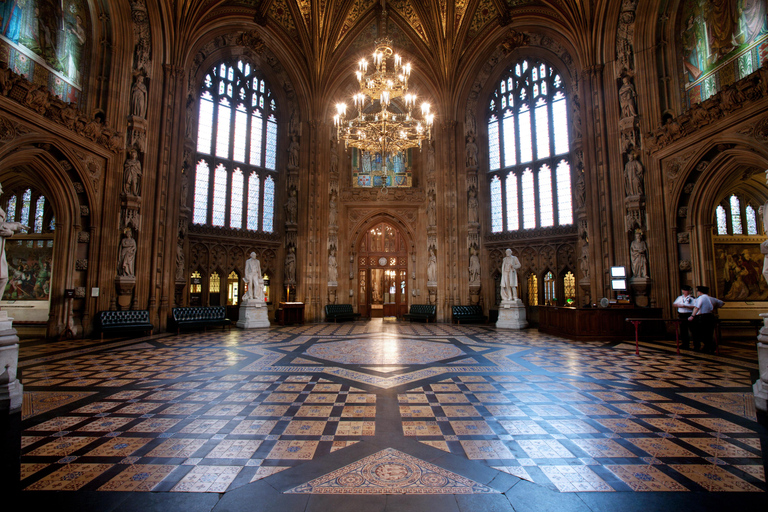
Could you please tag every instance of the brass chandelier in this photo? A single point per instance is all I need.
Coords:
(382, 129)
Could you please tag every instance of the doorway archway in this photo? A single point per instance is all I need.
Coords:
(382, 272)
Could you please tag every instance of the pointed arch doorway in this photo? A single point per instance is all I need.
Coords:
(382, 272)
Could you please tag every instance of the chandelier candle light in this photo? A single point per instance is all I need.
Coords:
(383, 131)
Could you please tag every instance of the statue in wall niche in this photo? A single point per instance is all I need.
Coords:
(432, 267)
(638, 255)
(431, 213)
(584, 260)
(627, 96)
(253, 279)
(139, 97)
(474, 267)
(472, 207)
(127, 257)
(431, 158)
(581, 191)
(290, 266)
(509, 266)
(293, 153)
(332, 210)
(132, 173)
(334, 157)
(179, 263)
(184, 190)
(333, 271)
(291, 208)
(6, 229)
(471, 151)
(633, 176)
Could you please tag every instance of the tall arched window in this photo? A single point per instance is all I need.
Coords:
(236, 150)
(528, 149)
(735, 215)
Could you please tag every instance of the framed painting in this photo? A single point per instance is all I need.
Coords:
(738, 269)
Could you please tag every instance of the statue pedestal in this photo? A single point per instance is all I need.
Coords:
(512, 315)
(760, 388)
(253, 314)
(10, 387)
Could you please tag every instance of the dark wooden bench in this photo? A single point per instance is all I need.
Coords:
(337, 312)
(122, 321)
(468, 314)
(422, 312)
(199, 316)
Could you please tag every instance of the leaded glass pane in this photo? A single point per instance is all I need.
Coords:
(257, 127)
(751, 220)
(542, 130)
(529, 201)
(549, 289)
(546, 207)
(222, 129)
(735, 215)
(254, 182)
(496, 214)
(494, 151)
(236, 204)
(526, 143)
(219, 195)
(564, 201)
(533, 290)
(39, 207)
(271, 143)
(26, 199)
(560, 126)
(508, 130)
(513, 213)
(269, 204)
(200, 213)
(11, 212)
(722, 221)
(205, 124)
(569, 288)
(240, 139)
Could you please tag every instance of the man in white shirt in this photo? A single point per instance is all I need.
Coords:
(703, 318)
(684, 304)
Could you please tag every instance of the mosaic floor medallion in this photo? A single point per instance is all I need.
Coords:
(383, 351)
(391, 472)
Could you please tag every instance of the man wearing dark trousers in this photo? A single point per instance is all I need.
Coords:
(703, 318)
(684, 304)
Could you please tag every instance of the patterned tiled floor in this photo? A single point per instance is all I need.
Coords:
(376, 407)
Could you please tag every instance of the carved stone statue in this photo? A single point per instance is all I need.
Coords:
(293, 153)
(431, 213)
(132, 173)
(334, 157)
(290, 267)
(432, 267)
(332, 213)
(634, 177)
(333, 271)
(6, 229)
(638, 254)
(509, 267)
(627, 96)
(179, 263)
(291, 208)
(472, 206)
(253, 278)
(127, 258)
(139, 97)
(584, 261)
(474, 268)
(471, 152)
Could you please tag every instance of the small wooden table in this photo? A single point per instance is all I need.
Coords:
(289, 313)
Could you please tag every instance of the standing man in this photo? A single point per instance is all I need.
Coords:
(703, 318)
(684, 304)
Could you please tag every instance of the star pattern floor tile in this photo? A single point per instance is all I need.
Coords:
(207, 412)
(391, 472)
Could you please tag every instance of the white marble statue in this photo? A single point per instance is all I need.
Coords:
(126, 264)
(638, 255)
(253, 278)
(509, 267)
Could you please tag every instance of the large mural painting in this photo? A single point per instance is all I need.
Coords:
(47, 41)
(722, 42)
(30, 265)
(371, 170)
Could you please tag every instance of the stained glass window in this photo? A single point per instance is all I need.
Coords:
(751, 220)
(10, 211)
(528, 124)
(26, 200)
(496, 212)
(722, 221)
(549, 289)
(735, 215)
(569, 288)
(39, 214)
(269, 204)
(236, 141)
(214, 283)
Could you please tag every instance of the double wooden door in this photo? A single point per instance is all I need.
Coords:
(382, 273)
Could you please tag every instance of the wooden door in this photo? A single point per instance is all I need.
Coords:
(382, 271)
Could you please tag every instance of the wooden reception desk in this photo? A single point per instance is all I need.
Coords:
(599, 324)
(289, 313)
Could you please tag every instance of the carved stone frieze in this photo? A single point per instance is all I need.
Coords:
(410, 195)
